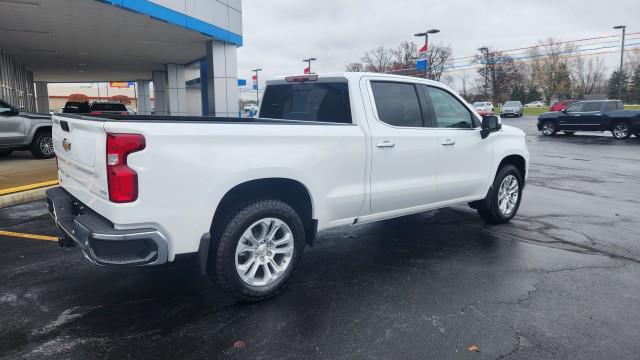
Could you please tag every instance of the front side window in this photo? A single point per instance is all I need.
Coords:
(320, 102)
(591, 106)
(575, 107)
(449, 112)
(397, 103)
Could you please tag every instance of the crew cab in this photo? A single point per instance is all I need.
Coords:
(20, 130)
(242, 196)
(592, 115)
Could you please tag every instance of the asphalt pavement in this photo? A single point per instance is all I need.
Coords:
(561, 281)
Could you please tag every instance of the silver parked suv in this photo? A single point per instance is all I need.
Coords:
(25, 131)
(511, 108)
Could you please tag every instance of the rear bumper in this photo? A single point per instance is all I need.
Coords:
(100, 242)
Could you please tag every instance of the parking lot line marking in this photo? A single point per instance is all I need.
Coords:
(28, 236)
(28, 187)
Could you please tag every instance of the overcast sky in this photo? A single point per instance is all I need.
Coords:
(278, 34)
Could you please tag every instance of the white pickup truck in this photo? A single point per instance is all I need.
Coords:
(243, 196)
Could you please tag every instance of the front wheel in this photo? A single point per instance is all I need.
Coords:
(621, 130)
(258, 250)
(42, 146)
(503, 200)
(549, 128)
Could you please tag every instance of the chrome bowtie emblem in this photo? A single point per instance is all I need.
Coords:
(66, 145)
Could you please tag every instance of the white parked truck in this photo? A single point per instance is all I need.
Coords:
(244, 196)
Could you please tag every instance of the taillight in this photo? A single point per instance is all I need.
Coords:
(122, 180)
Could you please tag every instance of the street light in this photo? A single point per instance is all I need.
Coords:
(620, 77)
(426, 46)
(308, 61)
(257, 86)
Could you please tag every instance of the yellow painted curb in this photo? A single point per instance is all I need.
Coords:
(28, 187)
(28, 236)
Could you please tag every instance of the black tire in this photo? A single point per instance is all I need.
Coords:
(621, 130)
(488, 208)
(5, 153)
(569, 132)
(228, 237)
(549, 128)
(42, 146)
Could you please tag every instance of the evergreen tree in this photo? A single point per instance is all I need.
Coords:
(614, 85)
(533, 94)
(634, 87)
(518, 93)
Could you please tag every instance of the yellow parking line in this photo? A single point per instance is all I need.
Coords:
(28, 236)
(28, 187)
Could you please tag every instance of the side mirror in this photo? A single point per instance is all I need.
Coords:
(490, 124)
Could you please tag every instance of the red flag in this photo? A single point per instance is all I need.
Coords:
(424, 48)
(307, 70)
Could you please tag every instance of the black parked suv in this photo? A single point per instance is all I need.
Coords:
(592, 115)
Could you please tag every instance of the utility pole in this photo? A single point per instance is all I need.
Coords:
(308, 61)
(257, 86)
(426, 47)
(620, 74)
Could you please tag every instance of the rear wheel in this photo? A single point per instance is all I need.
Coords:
(258, 249)
(549, 128)
(5, 153)
(503, 200)
(42, 146)
(621, 130)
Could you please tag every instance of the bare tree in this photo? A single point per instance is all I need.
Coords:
(355, 67)
(405, 55)
(588, 75)
(499, 75)
(464, 79)
(437, 59)
(550, 66)
(378, 60)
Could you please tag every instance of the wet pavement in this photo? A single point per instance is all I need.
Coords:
(21, 168)
(561, 281)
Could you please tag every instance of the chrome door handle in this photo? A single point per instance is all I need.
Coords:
(448, 141)
(386, 144)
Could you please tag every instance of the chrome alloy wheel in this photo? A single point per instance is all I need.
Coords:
(264, 252)
(621, 130)
(548, 128)
(508, 193)
(46, 145)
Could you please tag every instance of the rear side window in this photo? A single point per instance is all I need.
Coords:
(108, 107)
(322, 102)
(614, 105)
(591, 106)
(397, 103)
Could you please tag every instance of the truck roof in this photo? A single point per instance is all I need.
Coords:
(356, 76)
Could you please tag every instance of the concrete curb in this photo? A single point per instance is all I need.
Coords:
(23, 197)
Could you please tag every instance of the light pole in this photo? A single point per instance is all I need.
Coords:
(257, 86)
(620, 77)
(308, 61)
(426, 47)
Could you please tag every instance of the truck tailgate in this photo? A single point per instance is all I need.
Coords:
(80, 147)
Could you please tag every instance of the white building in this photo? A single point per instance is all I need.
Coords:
(186, 47)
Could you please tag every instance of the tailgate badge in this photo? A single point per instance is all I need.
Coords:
(66, 145)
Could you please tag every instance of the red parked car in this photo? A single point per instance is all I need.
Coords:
(561, 105)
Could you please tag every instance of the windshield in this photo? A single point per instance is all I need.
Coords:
(478, 104)
(511, 103)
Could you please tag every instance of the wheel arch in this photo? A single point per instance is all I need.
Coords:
(292, 192)
(39, 129)
(516, 160)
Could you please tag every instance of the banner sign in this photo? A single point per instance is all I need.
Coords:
(121, 84)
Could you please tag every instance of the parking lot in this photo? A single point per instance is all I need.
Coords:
(562, 280)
